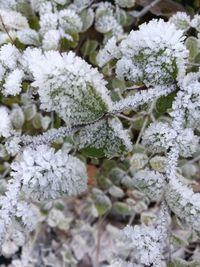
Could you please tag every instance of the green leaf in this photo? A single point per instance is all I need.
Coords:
(121, 208)
(89, 47)
(165, 102)
(26, 10)
(182, 263)
(192, 46)
(101, 201)
(92, 152)
(87, 17)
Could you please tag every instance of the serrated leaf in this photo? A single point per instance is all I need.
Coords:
(104, 138)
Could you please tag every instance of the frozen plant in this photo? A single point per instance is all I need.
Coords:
(140, 107)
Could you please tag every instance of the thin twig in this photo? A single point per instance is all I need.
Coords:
(144, 10)
(4, 26)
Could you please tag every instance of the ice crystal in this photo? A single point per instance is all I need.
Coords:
(149, 241)
(153, 55)
(184, 203)
(109, 51)
(158, 137)
(46, 174)
(5, 125)
(12, 20)
(152, 183)
(181, 21)
(68, 85)
(107, 136)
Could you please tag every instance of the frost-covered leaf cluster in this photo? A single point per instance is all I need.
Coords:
(82, 81)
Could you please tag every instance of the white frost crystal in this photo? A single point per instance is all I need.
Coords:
(68, 85)
(153, 55)
(109, 51)
(46, 174)
(151, 183)
(12, 20)
(5, 123)
(184, 203)
(70, 21)
(158, 137)
(181, 20)
(108, 136)
(12, 85)
(196, 22)
(149, 242)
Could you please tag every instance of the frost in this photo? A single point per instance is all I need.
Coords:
(109, 51)
(184, 203)
(196, 22)
(153, 55)
(68, 85)
(158, 137)
(108, 136)
(46, 174)
(12, 85)
(70, 21)
(181, 20)
(12, 20)
(5, 125)
(149, 241)
(152, 183)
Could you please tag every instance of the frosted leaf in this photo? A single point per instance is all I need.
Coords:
(12, 20)
(152, 183)
(25, 214)
(12, 145)
(13, 241)
(70, 21)
(28, 37)
(148, 242)
(5, 38)
(106, 23)
(138, 161)
(81, 4)
(5, 125)
(12, 85)
(181, 20)
(9, 56)
(189, 100)
(108, 137)
(195, 23)
(187, 142)
(51, 40)
(158, 137)
(17, 116)
(125, 3)
(68, 85)
(46, 174)
(184, 203)
(158, 163)
(48, 21)
(8, 4)
(153, 55)
(109, 51)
